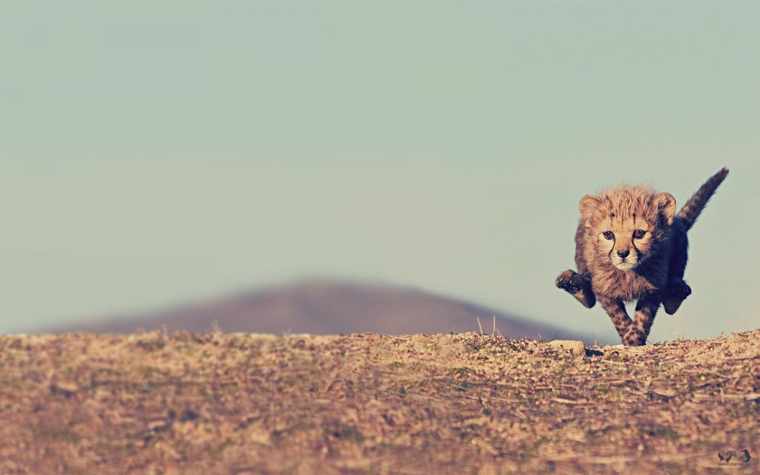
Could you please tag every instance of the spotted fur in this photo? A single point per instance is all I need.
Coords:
(632, 245)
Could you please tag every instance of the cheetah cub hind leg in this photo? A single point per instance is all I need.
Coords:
(577, 285)
(675, 294)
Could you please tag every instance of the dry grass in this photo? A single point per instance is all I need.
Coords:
(465, 403)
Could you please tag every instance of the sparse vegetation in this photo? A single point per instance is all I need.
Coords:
(462, 403)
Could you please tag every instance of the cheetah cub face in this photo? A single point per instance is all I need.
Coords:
(627, 225)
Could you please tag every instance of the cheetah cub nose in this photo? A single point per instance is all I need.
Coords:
(623, 253)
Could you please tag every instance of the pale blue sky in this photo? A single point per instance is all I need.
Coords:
(154, 152)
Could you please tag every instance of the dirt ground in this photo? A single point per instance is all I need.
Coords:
(220, 403)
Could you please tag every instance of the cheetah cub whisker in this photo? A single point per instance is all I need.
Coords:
(631, 244)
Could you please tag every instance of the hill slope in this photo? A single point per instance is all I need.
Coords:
(235, 403)
(322, 307)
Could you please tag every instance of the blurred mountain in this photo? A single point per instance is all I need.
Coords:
(328, 307)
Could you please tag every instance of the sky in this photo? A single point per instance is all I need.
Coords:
(153, 153)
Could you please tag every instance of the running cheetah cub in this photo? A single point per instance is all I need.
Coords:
(631, 244)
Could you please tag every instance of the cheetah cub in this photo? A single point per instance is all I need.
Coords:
(631, 244)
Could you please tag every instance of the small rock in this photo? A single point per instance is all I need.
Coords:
(573, 346)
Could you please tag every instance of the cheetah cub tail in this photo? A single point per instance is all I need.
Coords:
(691, 210)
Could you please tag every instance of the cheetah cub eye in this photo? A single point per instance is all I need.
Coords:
(608, 235)
(639, 234)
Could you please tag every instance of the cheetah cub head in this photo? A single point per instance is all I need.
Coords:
(626, 225)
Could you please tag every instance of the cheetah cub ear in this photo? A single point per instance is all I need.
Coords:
(665, 204)
(587, 206)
